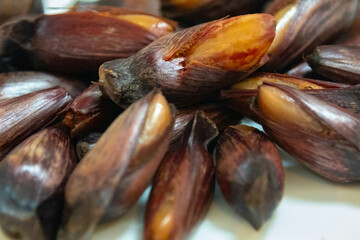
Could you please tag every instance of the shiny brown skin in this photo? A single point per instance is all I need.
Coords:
(315, 22)
(32, 180)
(353, 41)
(303, 70)
(186, 178)
(157, 65)
(240, 100)
(346, 98)
(93, 191)
(22, 116)
(250, 173)
(86, 143)
(212, 10)
(90, 111)
(218, 113)
(15, 84)
(333, 154)
(352, 36)
(339, 63)
(105, 8)
(138, 177)
(77, 42)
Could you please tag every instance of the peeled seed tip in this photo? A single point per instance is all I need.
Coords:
(254, 82)
(162, 223)
(278, 106)
(155, 25)
(283, 18)
(158, 119)
(237, 43)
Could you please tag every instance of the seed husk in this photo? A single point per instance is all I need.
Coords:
(90, 111)
(353, 41)
(32, 181)
(194, 61)
(158, 26)
(81, 40)
(250, 173)
(216, 112)
(114, 174)
(339, 63)
(317, 133)
(22, 116)
(352, 36)
(184, 185)
(241, 95)
(15, 84)
(347, 98)
(303, 70)
(303, 25)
